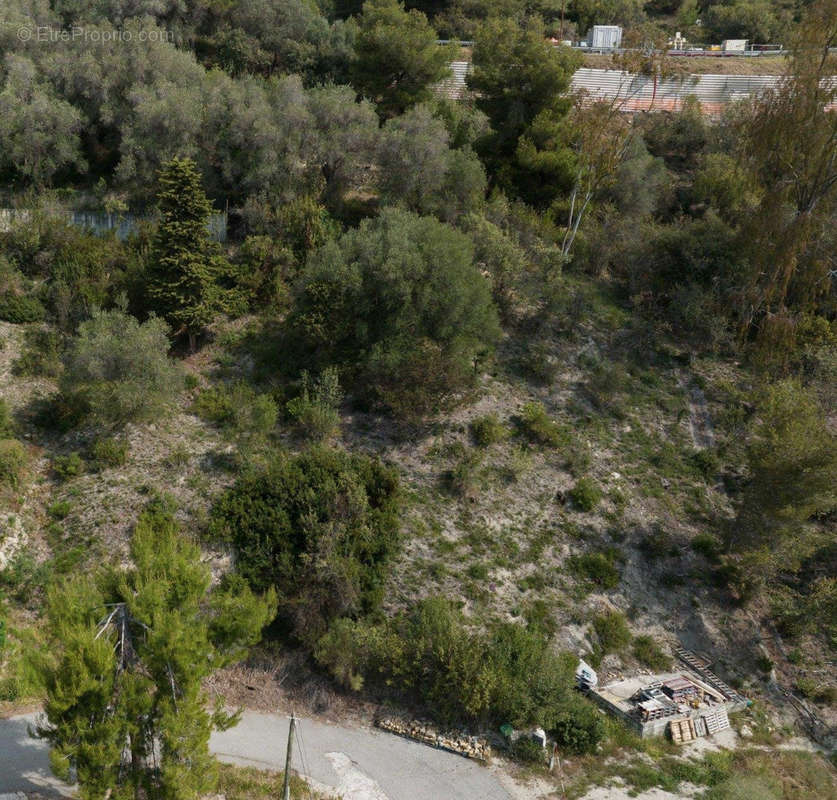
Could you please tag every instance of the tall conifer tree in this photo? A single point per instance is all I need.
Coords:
(186, 263)
(128, 651)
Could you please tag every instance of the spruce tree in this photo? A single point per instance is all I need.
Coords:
(186, 264)
(128, 651)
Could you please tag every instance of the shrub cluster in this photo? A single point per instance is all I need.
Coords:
(321, 527)
(507, 673)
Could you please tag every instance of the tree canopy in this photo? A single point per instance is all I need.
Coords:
(396, 56)
(399, 303)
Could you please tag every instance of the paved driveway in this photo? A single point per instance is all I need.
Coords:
(359, 763)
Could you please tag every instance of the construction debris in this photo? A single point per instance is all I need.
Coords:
(688, 704)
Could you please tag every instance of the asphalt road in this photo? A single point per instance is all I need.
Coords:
(359, 763)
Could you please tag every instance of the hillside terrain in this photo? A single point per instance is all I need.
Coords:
(383, 407)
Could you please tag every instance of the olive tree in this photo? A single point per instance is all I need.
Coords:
(399, 303)
(117, 369)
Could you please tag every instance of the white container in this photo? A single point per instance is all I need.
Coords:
(604, 36)
(734, 45)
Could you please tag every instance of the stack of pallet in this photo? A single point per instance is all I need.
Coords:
(686, 729)
(682, 730)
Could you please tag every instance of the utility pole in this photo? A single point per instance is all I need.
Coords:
(286, 791)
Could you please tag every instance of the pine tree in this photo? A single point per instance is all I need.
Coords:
(186, 263)
(129, 649)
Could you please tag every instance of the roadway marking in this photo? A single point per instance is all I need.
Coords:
(354, 784)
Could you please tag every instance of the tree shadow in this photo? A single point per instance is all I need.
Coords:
(24, 761)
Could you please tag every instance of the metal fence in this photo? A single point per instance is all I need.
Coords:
(101, 223)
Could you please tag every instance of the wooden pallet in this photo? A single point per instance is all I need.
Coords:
(716, 721)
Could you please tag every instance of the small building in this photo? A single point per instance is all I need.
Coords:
(605, 37)
(690, 703)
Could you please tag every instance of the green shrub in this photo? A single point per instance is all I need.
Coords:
(315, 409)
(399, 304)
(526, 750)
(20, 308)
(59, 413)
(7, 425)
(507, 673)
(109, 452)
(538, 365)
(816, 691)
(69, 466)
(707, 545)
(488, 430)
(238, 408)
(579, 728)
(598, 568)
(215, 404)
(462, 478)
(60, 509)
(41, 354)
(12, 462)
(612, 631)
(322, 527)
(585, 494)
(650, 654)
(537, 426)
(707, 463)
(656, 544)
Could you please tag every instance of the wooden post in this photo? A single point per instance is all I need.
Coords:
(286, 791)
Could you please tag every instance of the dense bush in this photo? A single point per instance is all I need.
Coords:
(507, 673)
(315, 409)
(109, 451)
(7, 425)
(528, 751)
(537, 425)
(650, 654)
(322, 527)
(400, 305)
(579, 728)
(119, 371)
(41, 354)
(612, 631)
(20, 308)
(69, 466)
(586, 494)
(792, 459)
(238, 408)
(598, 568)
(12, 462)
(488, 430)
(75, 270)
